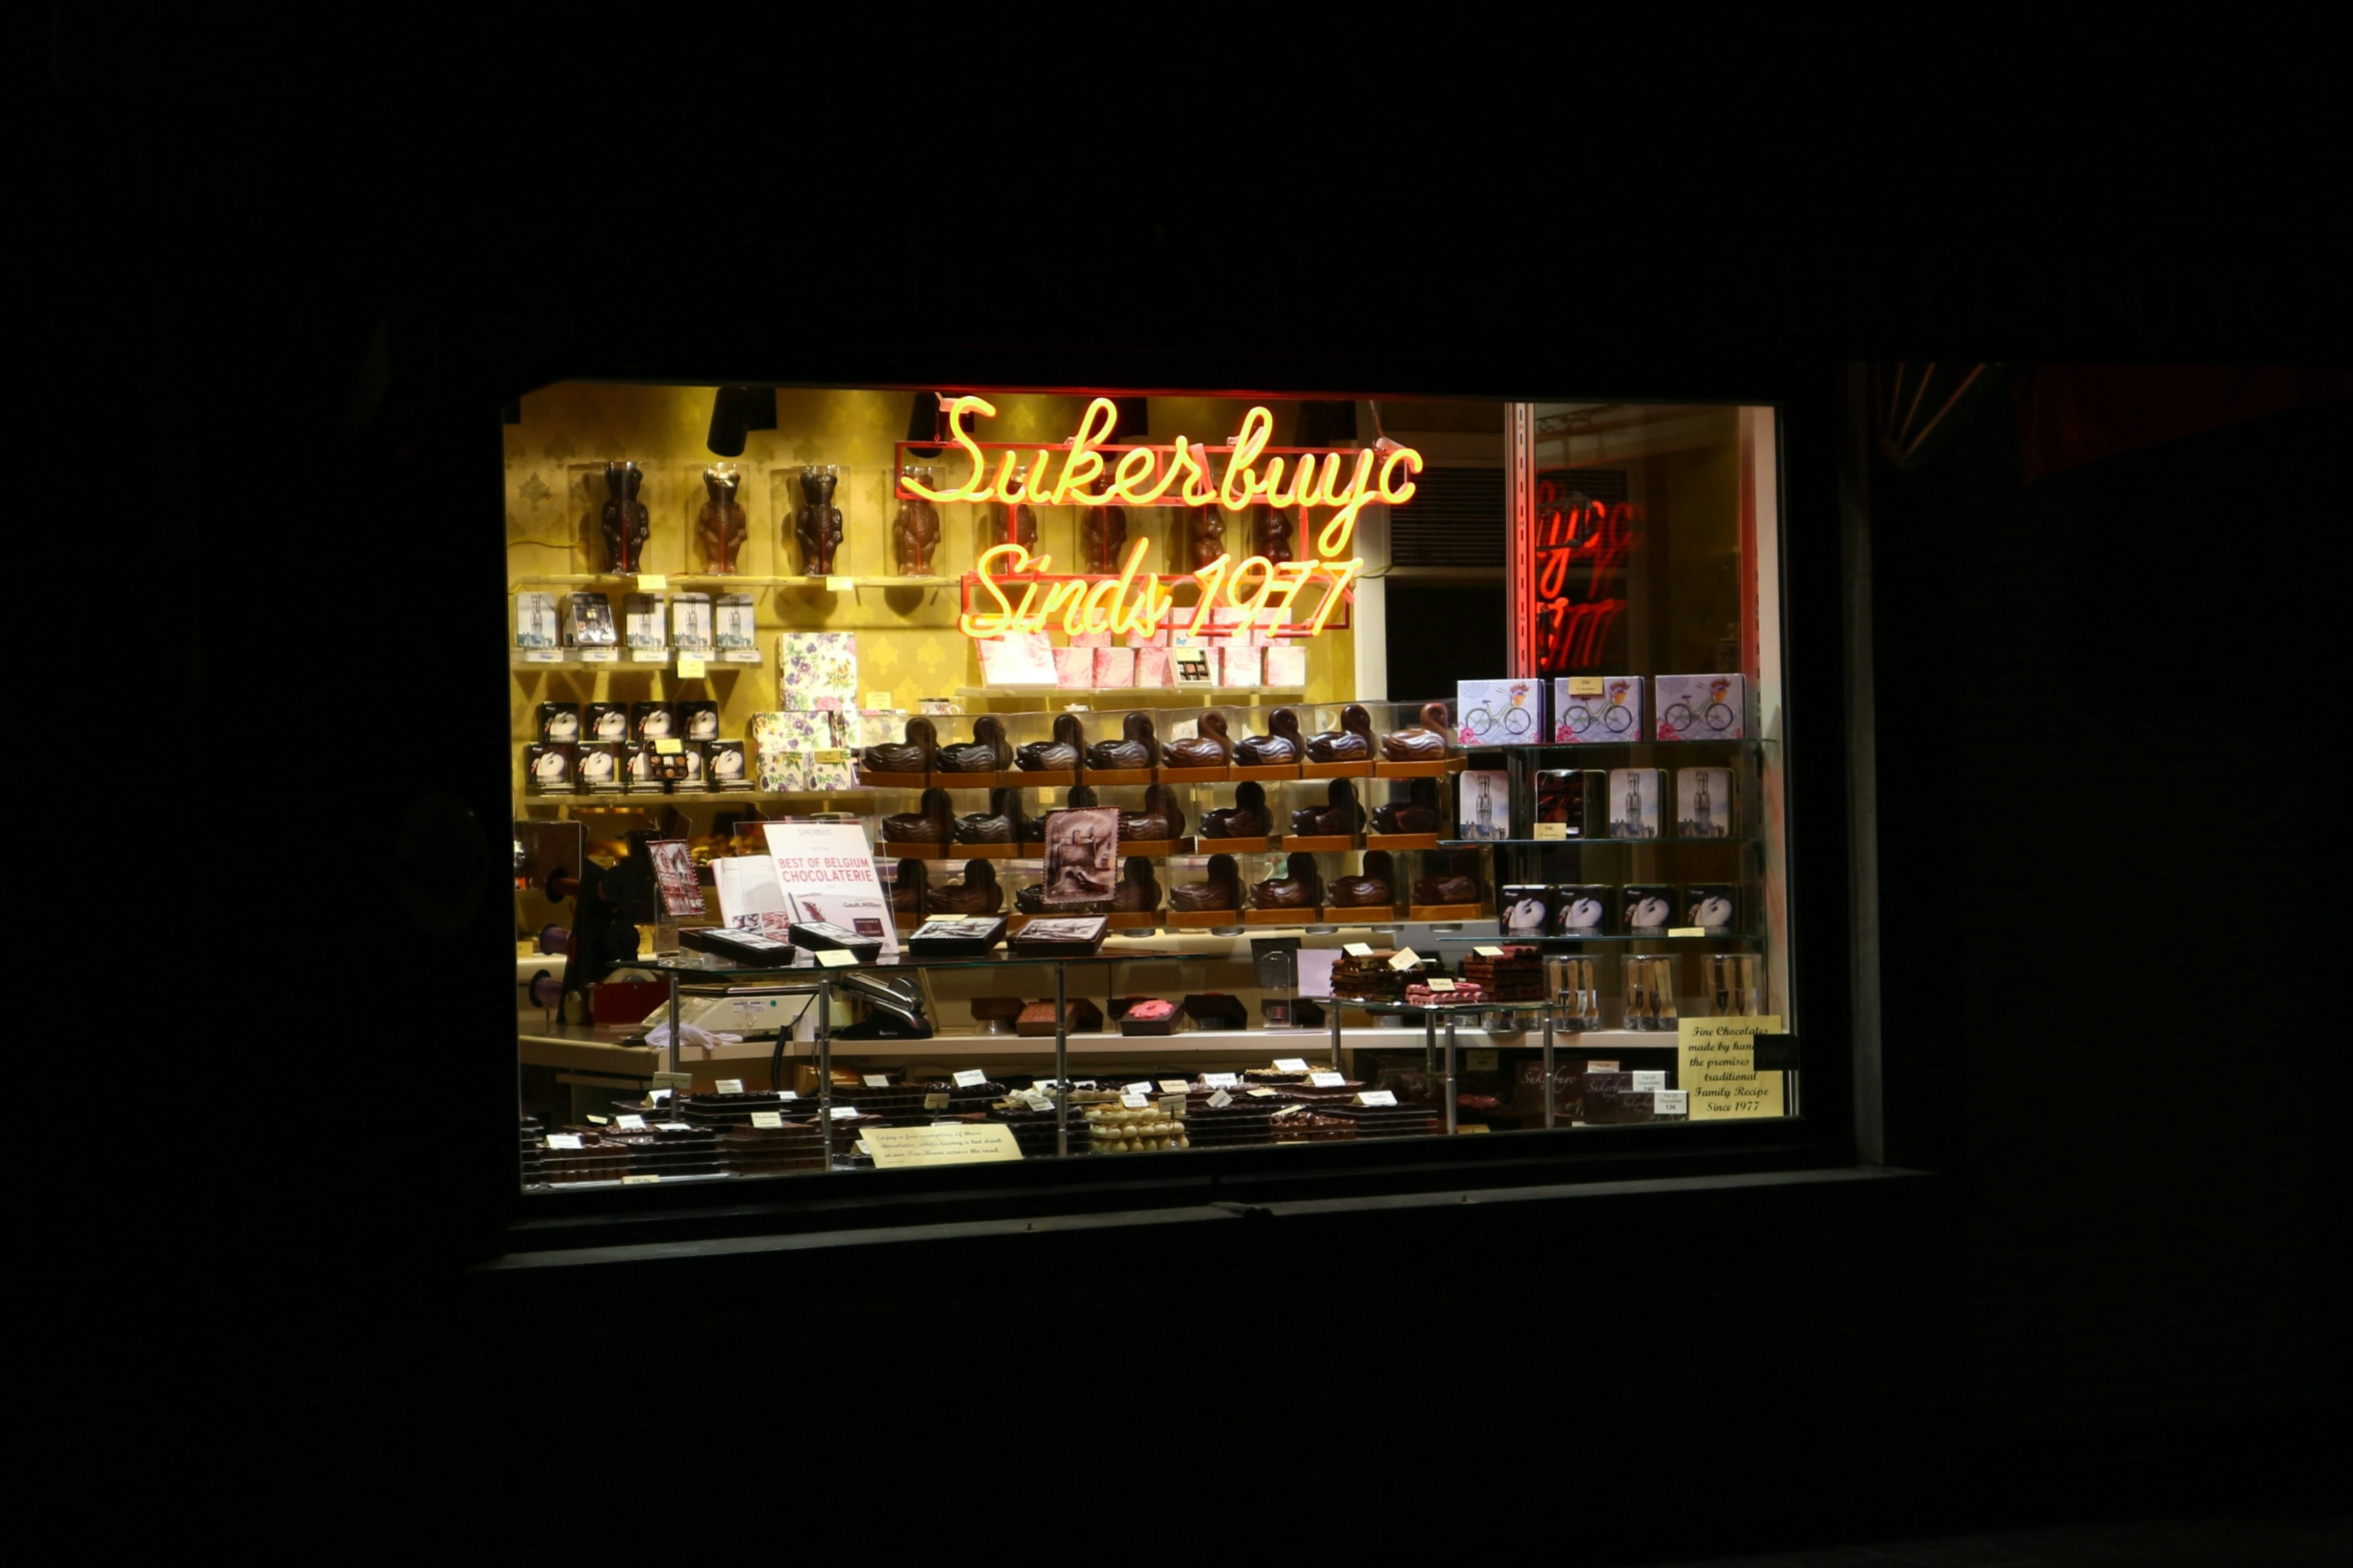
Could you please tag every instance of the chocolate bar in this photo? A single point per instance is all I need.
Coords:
(821, 936)
(738, 946)
(957, 937)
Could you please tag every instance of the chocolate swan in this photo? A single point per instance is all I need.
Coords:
(985, 752)
(1062, 751)
(1222, 890)
(1418, 813)
(915, 530)
(1351, 742)
(911, 890)
(1160, 819)
(1134, 749)
(1281, 744)
(1138, 889)
(1081, 795)
(1459, 886)
(1339, 817)
(1300, 887)
(915, 756)
(1424, 741)
(1002, 823)
(978, 894)
(1246, 818)
(1372, 887)
(932, 822)
(1212, 748)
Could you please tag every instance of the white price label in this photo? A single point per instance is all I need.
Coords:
(647, 1180)
(1133, 1100)
(1261, 1094)
(564, 1140)
(839, 1112)
(731, 1086)
(632, 1124)
(935, 1102)
(601, 1121)
(1440, 982)
(1220, 1081)
(1650, 1082)
(836, 958)
(1488, 952)
(1141, 1086)
(1405, 958)
(789, 1094)
(673, 1126)
(878, 1080)
(1378, 1097)
(971, 1078)
(1358, 949)
(1220, 1099)
(542, 656)
(1326, 1079)
(769, 1119)
(1174, 1086)
(1290, 1064)
(1671, 1102)
(600, 656)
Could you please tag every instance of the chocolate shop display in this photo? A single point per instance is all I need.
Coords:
(720, 525)
(817, 526)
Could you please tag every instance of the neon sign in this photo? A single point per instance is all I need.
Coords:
(1095, 473)
(1574, 532)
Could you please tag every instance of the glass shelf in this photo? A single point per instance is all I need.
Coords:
(804, 966)
(627, 582)
(1417, 1009)
(1577, 843)
(1508, 941)
(1156, 693)
(1572, 748)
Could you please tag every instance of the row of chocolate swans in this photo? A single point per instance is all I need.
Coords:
(1212, 746)
(1298, 886)
(1161, 819)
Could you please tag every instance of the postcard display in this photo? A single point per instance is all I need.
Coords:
(1245, 891)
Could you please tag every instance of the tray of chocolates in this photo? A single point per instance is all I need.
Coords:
(1517, 974)
(1149, 1015)
(1074, 935)
(731, 1110)
(1309, 1127)
(1386, 1121)
(1369, 977)
(1461, 994)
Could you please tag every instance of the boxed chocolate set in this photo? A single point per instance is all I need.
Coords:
(820, 936)
(1564, 796)
(1648, 908)
(547, 769)
(1700, 707)
(1596, 708)
(1524, 910)
(690, 623)
(1580, 909)
(600, 767)
(725, 763)
(559, 722)
(588, 621)
(950, 936)
(1703, 803)
(653, 721)
(1499, 712)
(608, 722)
(820, 670)
(534, 620)
(697, 720)
(1713, 907)
(1634, 799)
(644, 621)
(733, 629)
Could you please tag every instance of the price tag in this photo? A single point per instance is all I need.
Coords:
(649, 655)
(1482, 1062)
(1440, 982)
(542, 656)
(564, 1140)
(1488, 952)
(1261, 1093)
(1174, 1086)
(632, 1124)
(1472, 1127)
(1358, 949)
(878, 702)
(1220, 1099)
(1671, 1102)
(840, 1111)
(1142, 1086)
(741, 656)
(689, 667)
(789, 1094)
(669, 1080)
(1133, 1100)
(836, 958)
(668, 748)
(1173, 1104)
(768, 1118)
(731, 1086)
(1220, 1081)
(1601, 1066)
(1378, 1097)
(601, 1121)
(1585, 686)
(1650, 1082)
(600, 656)
(1551, 830)
(935, 1102)
(1687, 931)
(640, 1181)
(971, 1078)
(658, 1095)
(673, 1126)
(1290, 1064)
(653, 582)
(1326, 1079)
(841, 585)
(1405, 958)
(878, 1080)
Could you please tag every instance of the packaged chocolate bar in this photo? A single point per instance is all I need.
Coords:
(738, 946)
(1713, 907)
(948, 936)
(724, 762)
(697, 719)
(1076, 933)
(559, 722)
(547, 769)
(600, 767)
(819, 935)
(652, 721)
(608, 722)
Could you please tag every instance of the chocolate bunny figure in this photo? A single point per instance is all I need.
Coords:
(627, 524)
(915, 530)
(1272, 531)
(722, 523)
(997, 528)
(1106, 535)
(1208, 531)
(817, 525)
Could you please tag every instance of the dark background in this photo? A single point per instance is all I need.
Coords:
(2103, 830)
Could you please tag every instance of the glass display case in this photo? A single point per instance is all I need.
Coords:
(1550, 899)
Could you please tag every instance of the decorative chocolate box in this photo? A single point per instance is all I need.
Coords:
(1701, 707)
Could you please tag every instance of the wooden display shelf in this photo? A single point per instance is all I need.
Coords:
(1262, 772)
(1425, 914)
(1360, 914)
(894, 781)
(1401, 841)
(1438, 768)
(1118, 920)
(994, 851)
(898, 851)
(1319, 843)
(1310, 916)
(1043, 778)
(1108, 777)
(1155, 849)
(1202, 920)
(993, 778)
(1204, 845)
(1362, 769)
(1161, 694)
(1219, 775)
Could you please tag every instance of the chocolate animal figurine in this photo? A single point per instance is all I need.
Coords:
(1372, 887)
(627, 524)
(1069, 744)
(1222, 889)
(1002, 823)
(817, 525)
(1280, 744)
(915, 530)
(1424, 741)
(1340, 814)
(1080, 795)
(1134, 749)
(986, 752)
(721, 523)
(978, 894)
(1351, 742)
(1138, 890)
(1031, 900)
(914, 756)
(1246, 818)
(1418, 813)
(1212, 748)
(1207, 532)
(932, 822)
(1271, 529)
(1161, 818)
(1301, 887)
(997, 527)
(1459, 886)
(911, 890)
(1105, 538)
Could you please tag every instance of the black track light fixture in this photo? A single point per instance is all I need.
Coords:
(736, 410)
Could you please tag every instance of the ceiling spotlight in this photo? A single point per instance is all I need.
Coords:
(928, 421)
(735, 410)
